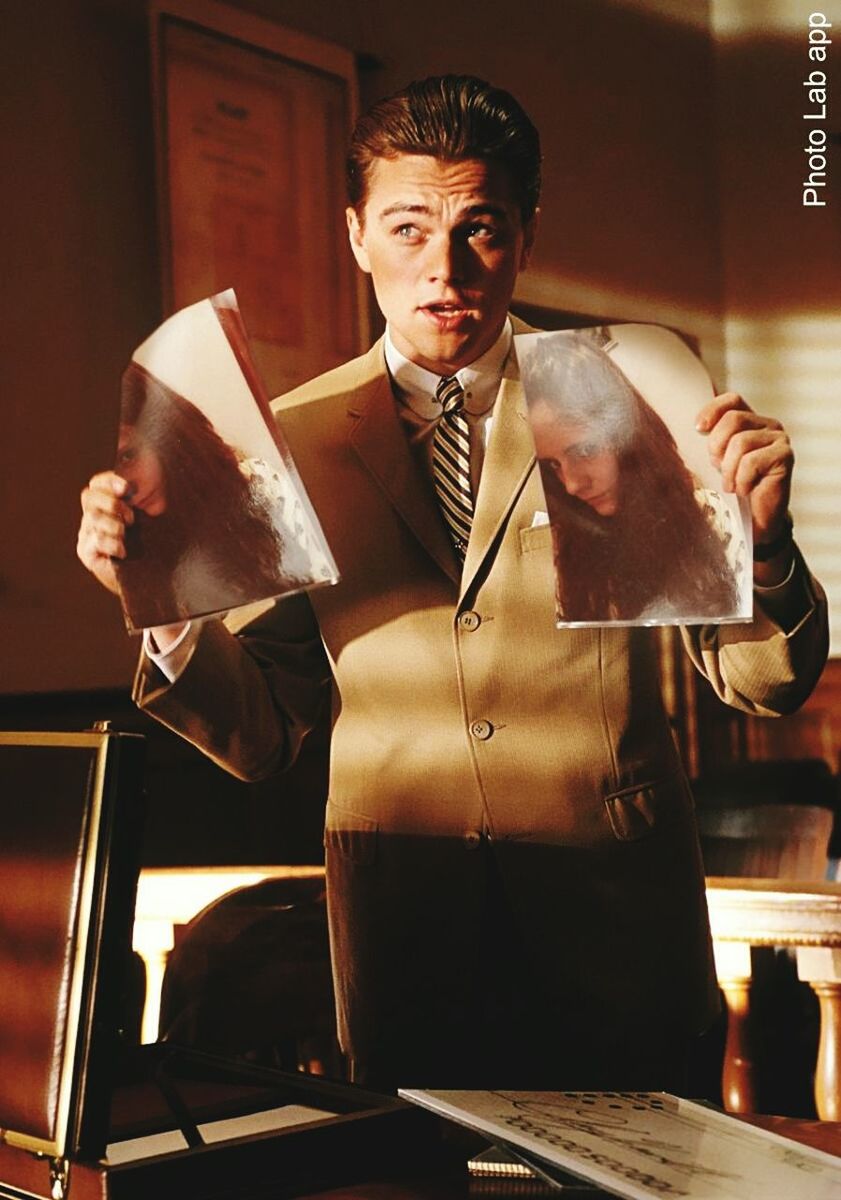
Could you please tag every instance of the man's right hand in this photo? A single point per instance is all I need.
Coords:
(105, 515)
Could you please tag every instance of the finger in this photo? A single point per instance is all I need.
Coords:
(753, 459)
(100, 567)
(104, 525)
(97, 544)
(761, 466)
(716, 408)
(765, 450)
(732, 425)
(108, 481)
(109, 546)
(97, 502)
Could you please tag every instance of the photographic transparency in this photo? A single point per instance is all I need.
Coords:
(642, 533)
(221, 517)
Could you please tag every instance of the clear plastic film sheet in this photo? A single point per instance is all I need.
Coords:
(640, 528)
(220, 515)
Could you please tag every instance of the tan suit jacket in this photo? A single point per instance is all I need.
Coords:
(464, 718)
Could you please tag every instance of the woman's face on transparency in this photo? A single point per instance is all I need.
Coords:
(585, 467)
(140, 466)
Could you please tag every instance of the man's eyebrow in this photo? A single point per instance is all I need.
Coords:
(485, 208)
(404, 206)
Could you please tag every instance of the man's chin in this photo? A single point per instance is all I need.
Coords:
(444, 353)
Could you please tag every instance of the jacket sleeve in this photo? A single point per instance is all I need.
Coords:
(252, 689)
(769, 666)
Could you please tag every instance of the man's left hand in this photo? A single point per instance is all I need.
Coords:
(755, 458)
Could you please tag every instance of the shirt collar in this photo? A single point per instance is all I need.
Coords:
(480, 379)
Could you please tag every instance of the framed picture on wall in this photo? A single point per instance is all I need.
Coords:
(251, 127)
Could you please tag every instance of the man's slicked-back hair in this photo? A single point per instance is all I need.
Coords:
(449, 117)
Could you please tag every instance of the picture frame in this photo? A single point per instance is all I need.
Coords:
(251, 122)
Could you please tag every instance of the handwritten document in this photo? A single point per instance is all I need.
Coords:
(644, 1145)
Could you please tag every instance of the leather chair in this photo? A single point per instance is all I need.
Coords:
(767, 820)
(250, 977)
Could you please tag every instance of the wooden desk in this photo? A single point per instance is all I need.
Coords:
(774, 912)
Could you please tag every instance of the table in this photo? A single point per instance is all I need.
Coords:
(775, 912)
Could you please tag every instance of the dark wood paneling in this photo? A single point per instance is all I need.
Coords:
(196, 813)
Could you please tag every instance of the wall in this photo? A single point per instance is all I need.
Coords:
(782, 261)
(81, 286)
(622, 93)
(782, 293)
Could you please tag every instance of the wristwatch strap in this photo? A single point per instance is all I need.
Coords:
(763, 551)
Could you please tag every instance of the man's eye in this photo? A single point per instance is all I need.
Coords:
(482, 232)
(587, 450)
(407, 233)
(126, 456)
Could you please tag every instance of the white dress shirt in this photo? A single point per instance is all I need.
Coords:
(420, 411)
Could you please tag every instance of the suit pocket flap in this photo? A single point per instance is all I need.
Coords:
(635, 812)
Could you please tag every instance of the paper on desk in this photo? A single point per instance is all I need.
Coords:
(216, 1131)
(644, 1145)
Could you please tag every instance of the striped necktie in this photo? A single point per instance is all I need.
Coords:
(451, 463)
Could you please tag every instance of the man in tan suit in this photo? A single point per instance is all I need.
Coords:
(515, 891)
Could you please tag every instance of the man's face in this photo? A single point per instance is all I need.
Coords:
(443, 243)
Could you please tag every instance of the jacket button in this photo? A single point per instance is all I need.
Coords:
(472, 839)
(469, 620)
(481, 730)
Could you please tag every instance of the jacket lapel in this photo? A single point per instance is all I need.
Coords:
(380, 441)
(508, 462)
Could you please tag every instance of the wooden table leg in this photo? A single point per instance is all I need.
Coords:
(738, 1076)
(820, 967)
(827, 1074)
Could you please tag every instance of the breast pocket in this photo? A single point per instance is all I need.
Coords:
(536, 537)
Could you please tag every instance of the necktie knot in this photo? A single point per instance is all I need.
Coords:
(450, 394)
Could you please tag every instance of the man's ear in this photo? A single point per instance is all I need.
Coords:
(529, 234)
(356, 236)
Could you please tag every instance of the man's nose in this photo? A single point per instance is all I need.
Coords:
(445, 260)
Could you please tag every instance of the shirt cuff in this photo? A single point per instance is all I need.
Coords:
(177, 655)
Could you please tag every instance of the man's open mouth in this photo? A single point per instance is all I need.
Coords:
(446, 314)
